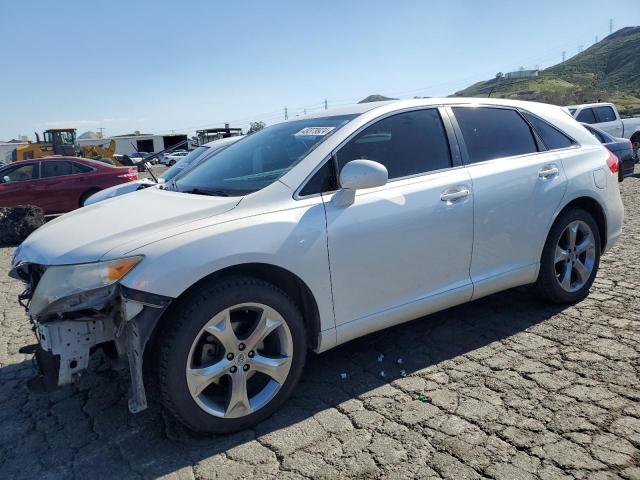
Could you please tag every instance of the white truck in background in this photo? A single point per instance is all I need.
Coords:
(605, 116)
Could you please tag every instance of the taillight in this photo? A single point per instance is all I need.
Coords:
(613, 163)
(131, 175)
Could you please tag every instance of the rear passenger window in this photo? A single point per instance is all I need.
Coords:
(605, 114)
(586, 116)
(408, 143)
(55, 168)
(550, 135)
(324, 180)
(80, 168)
(494, 133)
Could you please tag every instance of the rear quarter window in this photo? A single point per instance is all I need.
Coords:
(552, 138)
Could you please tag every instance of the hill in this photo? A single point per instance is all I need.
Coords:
(375, 98)
(608, 70)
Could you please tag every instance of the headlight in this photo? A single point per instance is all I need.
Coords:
(80, 284)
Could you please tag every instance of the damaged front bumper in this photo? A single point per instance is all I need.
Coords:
(122, 321)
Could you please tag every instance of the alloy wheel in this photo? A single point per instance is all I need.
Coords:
(575, 256)
(239, 360)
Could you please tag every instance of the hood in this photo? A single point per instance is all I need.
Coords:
(87, 234)
(118, 190)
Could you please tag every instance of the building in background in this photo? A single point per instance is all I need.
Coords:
(140, 142)
(7, 148)
(522, 73)
(211, 134)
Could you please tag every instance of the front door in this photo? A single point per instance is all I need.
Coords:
(16, 184)
(400, 246)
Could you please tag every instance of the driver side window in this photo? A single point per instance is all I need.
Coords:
(20, 173)
(408, 143)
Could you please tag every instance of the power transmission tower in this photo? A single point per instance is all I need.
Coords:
(596, 39)
(564, 55)
(286, 113)
(580, 48)
(610, 26)
(325, 103)
(101, 134)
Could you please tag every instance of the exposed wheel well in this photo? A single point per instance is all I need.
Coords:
(290, 283)
(594, 208)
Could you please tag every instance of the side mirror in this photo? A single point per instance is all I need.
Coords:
(5, 179)
(356, 175)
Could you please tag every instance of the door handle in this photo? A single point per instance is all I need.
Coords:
(454, 193)
(548, 171)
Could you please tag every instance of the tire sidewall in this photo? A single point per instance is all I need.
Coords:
(193, 314)
(547, 277)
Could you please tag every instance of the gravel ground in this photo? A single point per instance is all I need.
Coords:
(504, 387)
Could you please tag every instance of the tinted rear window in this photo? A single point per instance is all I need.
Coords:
(605, 114)
(550, 135)
(55, 168)
(494, 133)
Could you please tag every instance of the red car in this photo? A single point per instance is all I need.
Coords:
(58, 184)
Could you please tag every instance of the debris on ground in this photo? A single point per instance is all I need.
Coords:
(382, 374)
(403, 373)
(343, 376)
(380, 357)
(17, 223)
(400, 360)
(422, 398)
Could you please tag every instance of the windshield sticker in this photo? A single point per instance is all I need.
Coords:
(314, 131)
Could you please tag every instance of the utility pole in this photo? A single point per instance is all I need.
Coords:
(580, 48)
(101, 134)
(325, 103)
(610, 26)
(564, 55)
(596, 39)
(286, 113)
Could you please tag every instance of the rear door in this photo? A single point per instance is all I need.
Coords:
(608, 121)
(16, 184)
(517, 185)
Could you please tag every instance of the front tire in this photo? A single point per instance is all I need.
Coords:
(230, 355)
(570, 258)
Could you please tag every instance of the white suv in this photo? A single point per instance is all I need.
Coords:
(313, 232)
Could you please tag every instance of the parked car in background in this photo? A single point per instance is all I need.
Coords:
(194, 157)
(605, 116)
(313, 232)
(58, 184)
(620, 147)
(173, 157)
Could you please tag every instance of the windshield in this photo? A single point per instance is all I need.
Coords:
(259, 159)
(184, 162)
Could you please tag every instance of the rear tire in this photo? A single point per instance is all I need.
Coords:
(210, 355)
(570, 258)
(86, 195)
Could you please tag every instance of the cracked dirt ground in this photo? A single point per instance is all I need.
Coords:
(504, 387)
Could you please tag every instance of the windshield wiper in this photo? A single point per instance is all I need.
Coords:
(202, 191)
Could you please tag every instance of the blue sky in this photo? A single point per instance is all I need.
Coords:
(167, 65)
